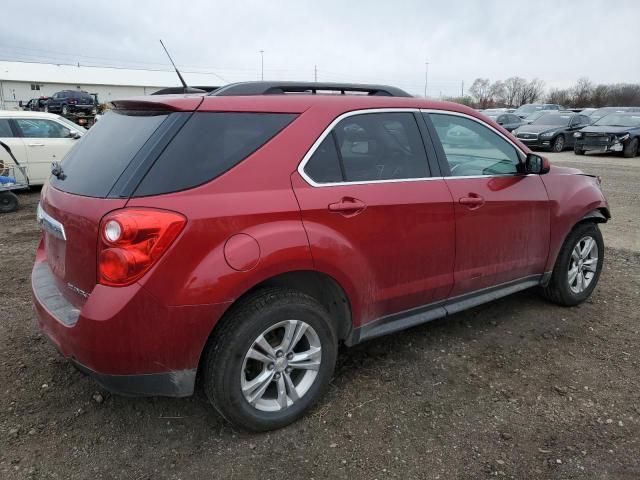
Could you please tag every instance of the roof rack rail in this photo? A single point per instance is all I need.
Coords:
(281, 88)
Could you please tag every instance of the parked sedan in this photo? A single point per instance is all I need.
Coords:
(534, 116)
(508, 120)
(618, 132)
(553, 131)
(37, 139)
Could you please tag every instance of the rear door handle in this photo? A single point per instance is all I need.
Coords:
(36, 144)
(348, 206)
(473, 201)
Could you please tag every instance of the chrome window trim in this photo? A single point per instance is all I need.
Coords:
(341, 117)
(328, 130)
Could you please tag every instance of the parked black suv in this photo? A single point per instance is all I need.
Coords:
(553, 131)
(617, 132)
(71, 101)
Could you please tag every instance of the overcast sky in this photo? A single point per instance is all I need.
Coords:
(357, 41)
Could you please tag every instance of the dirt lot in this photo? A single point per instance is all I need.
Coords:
(514, 389)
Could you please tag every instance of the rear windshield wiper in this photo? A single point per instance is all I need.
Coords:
(56, 171)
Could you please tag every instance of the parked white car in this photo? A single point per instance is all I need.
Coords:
(37, 139)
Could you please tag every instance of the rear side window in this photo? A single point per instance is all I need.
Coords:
(208, 145)
(96, 162)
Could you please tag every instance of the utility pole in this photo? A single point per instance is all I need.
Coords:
(426, 78)
(462, 89)
(262, 65)
(315, 73)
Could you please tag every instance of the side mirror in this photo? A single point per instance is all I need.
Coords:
(76, 135)
(500, 123)
(536, 164)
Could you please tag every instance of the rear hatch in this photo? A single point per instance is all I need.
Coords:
(97, 177)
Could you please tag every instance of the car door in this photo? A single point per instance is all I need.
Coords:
(46, 141)
(502, 215)
(9, 137)
(376, 218)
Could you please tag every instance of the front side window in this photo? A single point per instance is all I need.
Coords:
(370, 147)
(39, 128)
(471, 149)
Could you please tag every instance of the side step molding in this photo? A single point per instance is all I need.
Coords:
(433, 311)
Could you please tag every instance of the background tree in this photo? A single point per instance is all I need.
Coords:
(480, 90)
(582, 93)
(512, 89)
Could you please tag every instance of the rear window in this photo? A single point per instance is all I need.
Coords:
(207, 146)
(96, 162)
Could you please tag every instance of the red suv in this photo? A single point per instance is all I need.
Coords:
(236, 238)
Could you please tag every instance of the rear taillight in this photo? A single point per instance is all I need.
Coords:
(132, 240)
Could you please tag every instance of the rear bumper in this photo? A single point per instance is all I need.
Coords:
(124, 338)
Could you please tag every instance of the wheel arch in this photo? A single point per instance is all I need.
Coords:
(321, 286)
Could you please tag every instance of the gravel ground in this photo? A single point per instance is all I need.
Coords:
(515, 389)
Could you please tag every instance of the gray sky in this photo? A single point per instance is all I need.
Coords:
(356, 41)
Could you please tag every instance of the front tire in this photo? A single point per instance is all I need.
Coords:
(270, 360)
(578, 151)
(64, 110)
(630, 149)
(558, 144)
(578, 266)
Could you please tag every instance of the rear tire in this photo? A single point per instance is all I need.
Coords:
(243, 376)
(578, 151)
(64, 110)
(8, 202)
(558, 144)
(578, 266)
(631, 149)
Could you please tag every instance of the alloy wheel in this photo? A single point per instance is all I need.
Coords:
(558, 145)
(583, 264)
(281, 366)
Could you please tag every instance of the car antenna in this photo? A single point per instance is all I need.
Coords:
(184, 84)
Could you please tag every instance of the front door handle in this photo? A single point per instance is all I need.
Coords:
(348, 207)
(36, 144)
(472, 202)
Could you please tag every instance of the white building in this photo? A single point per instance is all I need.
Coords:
(21, 81)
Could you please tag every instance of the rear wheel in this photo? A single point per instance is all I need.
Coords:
(8, 202)
(65, 110)
(578, 151)
(558, 144)
(578, 266)
(631, 149)
(270, 360)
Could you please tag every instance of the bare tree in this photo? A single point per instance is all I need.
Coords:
(480, 90)
(497, 93)
(582, 93)
(512, 89)
(560, 96)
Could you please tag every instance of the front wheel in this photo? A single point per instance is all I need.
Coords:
(65, 110)
(578, 151)
(270, 360)
(558, 144)
(631, 149)
(578, 266)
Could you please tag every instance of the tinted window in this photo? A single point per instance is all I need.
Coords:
(5, 129)
(39, 128)
(208, 145)
(472, 148)
(324, 164)
(514, 119)
(99, 158)
(380, 146)
(585, 120)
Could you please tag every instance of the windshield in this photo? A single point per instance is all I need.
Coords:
(601, 112)
(535, 115)
(528, 108)
(553, 119)
(620, 120)
(71, 125)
